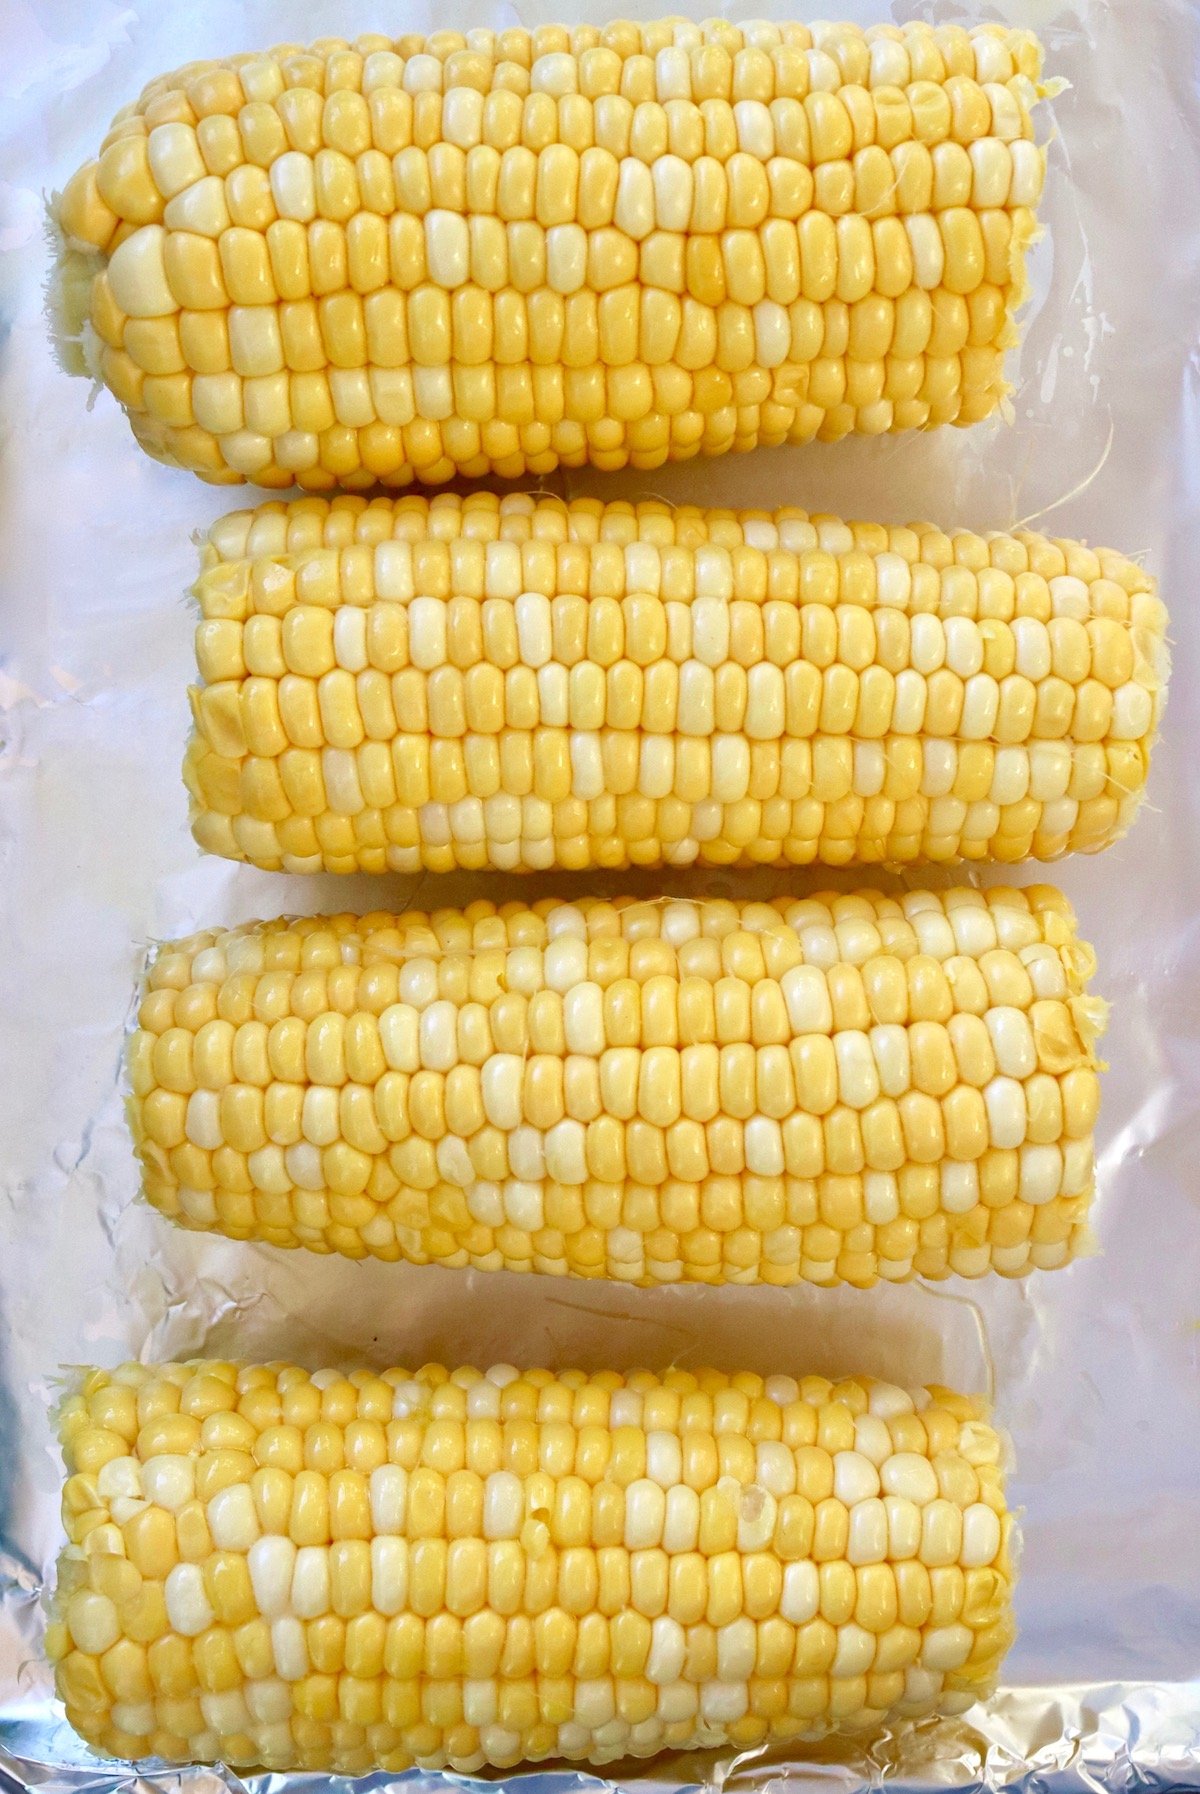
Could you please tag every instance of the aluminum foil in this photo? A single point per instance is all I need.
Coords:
(1094, 1369)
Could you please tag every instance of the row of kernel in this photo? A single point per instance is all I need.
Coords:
(693, 167)
(1011, 1241)
(851, 925)
(881, 56)
(433, 452)
(427, 523)
(468, 787)
(834, 833)
(700, 655)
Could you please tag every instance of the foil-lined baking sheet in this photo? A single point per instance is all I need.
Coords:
(1095, 1371)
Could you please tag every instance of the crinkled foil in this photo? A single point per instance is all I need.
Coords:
(1094, 1370)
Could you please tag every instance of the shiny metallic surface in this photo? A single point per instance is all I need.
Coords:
(1093, 1370)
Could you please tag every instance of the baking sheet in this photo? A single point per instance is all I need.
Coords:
(1094, 1370)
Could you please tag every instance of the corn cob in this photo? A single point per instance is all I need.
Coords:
(620, 244)
(356, 1572)
(832, 1089)
(524, 683)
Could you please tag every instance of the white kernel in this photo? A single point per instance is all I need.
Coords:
(526, 1157)
(293, 186)
(427, 633)
(806, 993)
(462, 117)
(535, 638)
(946, 1647)
(737, 1650)
(723, 1702)
(1041, 1174)
(501, 1084)
(855, 1478)
(587, 765)
(350, 637)
(681, 1526)
(757, 1510)
(120, 1476)
(269, 1701)
(1133, 712)
(566, 963)
(422, 74)
(775, 1467)
(858, 1079)
(187, 1603)
(310, 1592)
(868, 1542)
(393, 569)
(566, 258)
(483, 1398)
(437, 1036)
(677, 1702)
(454, 1162)
(922, 1685)
(203, 1121)
(485, 1201)
(855, 1652)
(304, 1166)
(1004, 1099)
(664, 1458)
(872, 1439)
(398, 1033)
(928, 250)
(389, 1496)
(136, 1717)
(565, 1149)
(1028, 172)
(964, 646)
(169, 1480)
(232, 1518)
(910, 1475)
(503, 1505)
(481, 1698)
(583, 1019)
(633, 211)
(389, 1574)
(595, 1702)
(95, 1624)
(556, 73)
(673, 191)
(289, 1648)
(625, 1408)
(645, 1513)
(801, 1597)
(959, 1187)
(175, 159)
(755, 129)
(710, 629)
(523, 1205)
(668, 1651)
(319, 1115)
(672, 76)
(881, 1197)
(763, 1142)
(980, 1537)
(271, 1561)
(554, 686)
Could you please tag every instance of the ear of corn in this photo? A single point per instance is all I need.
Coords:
(827, 1089)
(618, 244)
(356, 1572)
(524, 683)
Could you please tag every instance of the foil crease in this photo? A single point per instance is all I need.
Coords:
(1093, 1370)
